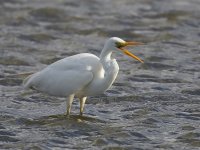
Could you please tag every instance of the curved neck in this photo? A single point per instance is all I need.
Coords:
(105, 59)
(105, 55)
(110, 67)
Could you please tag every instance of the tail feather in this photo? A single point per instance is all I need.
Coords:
(26, 82)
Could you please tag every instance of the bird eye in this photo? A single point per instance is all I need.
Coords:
(118, 44)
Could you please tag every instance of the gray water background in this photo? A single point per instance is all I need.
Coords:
(154, 105)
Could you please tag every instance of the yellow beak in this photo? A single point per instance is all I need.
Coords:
(129, 53)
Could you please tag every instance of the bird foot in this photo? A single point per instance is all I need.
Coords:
(67, 115)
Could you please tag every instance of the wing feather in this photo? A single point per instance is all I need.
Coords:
(66, 76)
(59, 82)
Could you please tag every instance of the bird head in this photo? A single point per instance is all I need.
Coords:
(119, 44)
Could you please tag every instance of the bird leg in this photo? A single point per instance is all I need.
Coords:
(82, 103)
(69, 103)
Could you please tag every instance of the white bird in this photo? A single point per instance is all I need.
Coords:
(80, 75)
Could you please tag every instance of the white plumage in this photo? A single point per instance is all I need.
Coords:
(80, 75)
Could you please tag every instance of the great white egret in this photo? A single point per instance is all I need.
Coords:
(80, 75)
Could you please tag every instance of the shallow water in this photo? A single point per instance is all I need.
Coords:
(154, 105)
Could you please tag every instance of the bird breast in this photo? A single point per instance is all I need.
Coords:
(104, 76)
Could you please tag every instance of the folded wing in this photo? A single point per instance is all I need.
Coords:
(59, 82)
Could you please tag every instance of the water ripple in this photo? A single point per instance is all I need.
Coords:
(154, 105)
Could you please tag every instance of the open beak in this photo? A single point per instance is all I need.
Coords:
(129, 53)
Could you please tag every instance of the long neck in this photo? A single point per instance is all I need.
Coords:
(105, 54)
(105, 58)
(110, 67)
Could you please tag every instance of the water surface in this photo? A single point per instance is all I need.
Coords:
(154, 105)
